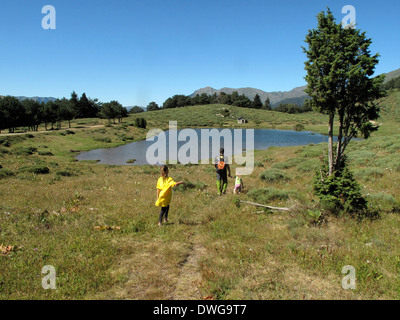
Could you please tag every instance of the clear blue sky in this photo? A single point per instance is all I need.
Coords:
(142, 51)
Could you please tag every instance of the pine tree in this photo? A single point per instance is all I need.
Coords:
(339, 70)
(267, 104)
(257, 104)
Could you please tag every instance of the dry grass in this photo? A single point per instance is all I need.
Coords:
(210, 249)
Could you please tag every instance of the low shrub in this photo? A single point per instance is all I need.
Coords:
(24, 151)
(298, 127)
(5, 142)
(140, 123)
(273, 175)
(189, 185)
(37, 169)
(45, 153)
(4, 173)
(339, 191)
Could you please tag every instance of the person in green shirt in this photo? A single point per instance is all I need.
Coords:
(164, 194)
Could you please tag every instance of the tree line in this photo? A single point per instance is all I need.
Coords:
(29, 113)
(233, 99)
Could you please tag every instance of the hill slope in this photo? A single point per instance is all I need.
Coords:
(391, 75)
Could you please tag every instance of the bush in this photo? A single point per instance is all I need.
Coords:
(339, 192)
(5, 142)
(24, 151)
(4, 173)
(298, 127)
(140, 123)
(45, 153)
(38, 169)
(188, 185)
(273, 175)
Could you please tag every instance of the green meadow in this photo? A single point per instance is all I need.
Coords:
(97, 224)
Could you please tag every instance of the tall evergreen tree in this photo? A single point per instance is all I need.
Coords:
(267, 104)
(75, 104)
(257, 104)
(339, 82)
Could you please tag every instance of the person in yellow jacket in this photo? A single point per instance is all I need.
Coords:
(164, 193)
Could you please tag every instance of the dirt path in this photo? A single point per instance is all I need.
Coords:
(188, 286)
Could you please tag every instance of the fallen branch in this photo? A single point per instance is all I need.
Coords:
(263, 205)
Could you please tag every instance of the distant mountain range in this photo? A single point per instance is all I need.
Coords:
(296, 95)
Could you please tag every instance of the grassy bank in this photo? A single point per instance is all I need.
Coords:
(97, 224)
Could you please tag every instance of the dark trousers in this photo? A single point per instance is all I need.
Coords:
(163, 213)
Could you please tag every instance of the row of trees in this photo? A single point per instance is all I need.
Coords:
(30, 113)
(233, 99)
(293, 108)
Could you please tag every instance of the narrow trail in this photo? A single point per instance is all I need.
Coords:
(188, 286)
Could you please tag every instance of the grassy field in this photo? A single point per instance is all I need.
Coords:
(97, 224)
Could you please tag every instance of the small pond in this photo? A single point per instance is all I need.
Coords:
(263, 139)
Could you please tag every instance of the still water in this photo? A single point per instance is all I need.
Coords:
(263, 139)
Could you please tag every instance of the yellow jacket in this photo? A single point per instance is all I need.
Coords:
(165, 184)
